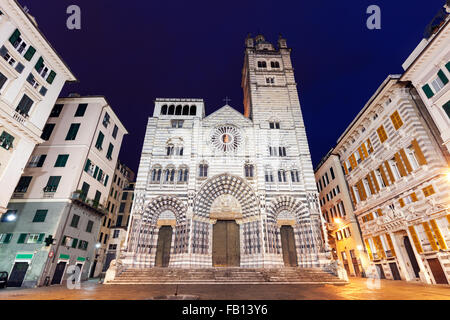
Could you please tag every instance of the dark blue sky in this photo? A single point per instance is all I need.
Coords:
(135, 51)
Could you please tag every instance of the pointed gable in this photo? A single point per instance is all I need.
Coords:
(227, 114)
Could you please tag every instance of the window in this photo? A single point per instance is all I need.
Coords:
(75, 221)
(274, 125)
(156, 175)
(122, 207)
(446, 108)
(411, 155)
(56, 111)
(40, 216)
(97, 197)
(99, 142)
(249, 170)
(367, 187)
(116, 234)
(124, 196)
(437, 84)
(73, 131)
(332, 173)
(295, 176)
(379, 178)
(382, 134)
(89, 226)
(81, 110)
(203, 171)
(23, 184)
(3, 80)
(395, 170)
(35, 238)
(106, 120)
(177, 123)
(268, 175)
(274, 64)
(270, 80)
(339, 236)
(428, 191)
(61, 160)
(169, 175)
(24, 105)
(83, 245)
(47, 132)
(52, 184)
(110, 151)
(6, 140)
(262, 64)
(356, 193)
(112, 246)
(282, 176)
(5, 238)
(115, 130)
(396, 120)
(164, 110)
(183, 175)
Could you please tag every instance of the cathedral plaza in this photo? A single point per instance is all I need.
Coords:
(356, 289)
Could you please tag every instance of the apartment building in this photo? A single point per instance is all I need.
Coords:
(32, 76)
(397, 176)
(58, 206)
(345, 236)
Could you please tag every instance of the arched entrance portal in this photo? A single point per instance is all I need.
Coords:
(226, 240)
(162, 258)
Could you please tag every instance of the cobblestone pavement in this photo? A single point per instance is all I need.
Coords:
(357, 289)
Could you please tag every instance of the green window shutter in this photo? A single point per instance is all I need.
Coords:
(22, 238)
(99, 142)
(100, 173)
(61, 161)
(39, 64)
(14, 36)
(51, 77)
(88, 165)
(30, 53)
(446, 108)
(448, 66)
(74, 243)
(41, 238)
(73, 131)
(95, 172)
(40, 216)
(63, 240)
(41, 161)
(81, 110)
(8, 238)
(106, 180)
(428, 92)
(110, 151)
(442, 76)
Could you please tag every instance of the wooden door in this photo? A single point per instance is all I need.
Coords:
(380, 271)
(394, 271)
(163, 249)
(226, 244)
(18, 274)
(288, 246)
(436, 270)
(411, 256)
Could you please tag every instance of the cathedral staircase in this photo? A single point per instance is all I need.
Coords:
(226, 276)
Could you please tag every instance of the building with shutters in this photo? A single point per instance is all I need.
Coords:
(32, 76)
(62, 194)
(396, 172)
(428, 68)
(115, 223)
(229, 189)
(337, 209)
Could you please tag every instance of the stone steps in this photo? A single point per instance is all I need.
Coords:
(225, 276)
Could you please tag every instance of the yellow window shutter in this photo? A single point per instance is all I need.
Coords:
(388, 168)
(370, 215)
(396, 120)
(352, 160)
(369, 144)
(391, 245)
(364, 149)
(430, 236)
(353, 195)
(414, 197)
(375, 182)
(362, 191)
(420, 157)
(402, 203)
(372, 189)
(368, 249)
(379, 246)
(438, 234)
(400, 166)
(405, 160)
(380, 213)
(448, 218)
(415, 239)
(361, 154)
(383, 175)
(345, 167)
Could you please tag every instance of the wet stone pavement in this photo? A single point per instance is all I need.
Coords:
(357, 289)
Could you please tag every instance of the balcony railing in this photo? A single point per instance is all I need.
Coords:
(81, 197)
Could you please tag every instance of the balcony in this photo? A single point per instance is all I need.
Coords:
(80, 198)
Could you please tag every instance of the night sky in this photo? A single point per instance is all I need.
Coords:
(135, 51)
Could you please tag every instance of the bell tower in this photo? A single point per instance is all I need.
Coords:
(268, 81)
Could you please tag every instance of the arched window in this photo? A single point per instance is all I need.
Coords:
(174, 147)
(183, 175)
(274, 125)
(262, 64)
(156, 174)
(193, 111)
(249, 170)
(186, 110)
(164, 109)
(203, 170)
(169, 175)
(170, 150)
(275, 64)
(171, 109)
(268, 174)
(178, 110)
(295, 176)
(281, 176)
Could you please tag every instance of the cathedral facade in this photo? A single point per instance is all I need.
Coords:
(229, 189)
